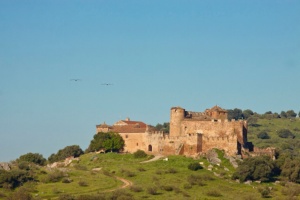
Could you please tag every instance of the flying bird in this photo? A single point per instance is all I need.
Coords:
(75, 79)
(106, 84)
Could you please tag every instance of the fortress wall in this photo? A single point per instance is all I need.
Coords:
(228, 144)
(133, 141)
(193, 144)
(209, 128)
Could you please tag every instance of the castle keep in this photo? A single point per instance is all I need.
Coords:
(191, 134)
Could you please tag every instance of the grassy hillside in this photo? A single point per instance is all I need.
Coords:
(111, 175)
(272, 126)
(154, 180)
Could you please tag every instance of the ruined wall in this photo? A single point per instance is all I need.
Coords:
(221, 134)
(134, 141)
(227, 143)
(193, 144)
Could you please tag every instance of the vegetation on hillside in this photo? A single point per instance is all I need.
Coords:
(97, 176)
(68, 151)
(109, 141)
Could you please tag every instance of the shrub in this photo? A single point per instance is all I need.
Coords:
(14, 178)
(20, 194)
(136, 188)
(66, 152)
(56, 191)
(24, 165)
(107, 173)
(255, 168)
(82, 183)
(187, 186)
(213, 193)
(194, 166)
(139, 154)
(66, 197)
(195, 180)
(141, 169)
(263, 135)
(130, 174)
(32, 157)
(54, 176)
(152, 190)
(171, 171)
(291, 190)
(265, 192)
(66, 180)
(285, 133)
(167, 188)
(185, 194)
(121, 194)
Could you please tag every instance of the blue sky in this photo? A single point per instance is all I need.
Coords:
(157, 54)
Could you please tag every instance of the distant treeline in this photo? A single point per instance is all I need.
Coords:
(252, 117)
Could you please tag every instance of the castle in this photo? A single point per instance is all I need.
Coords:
(191, 133)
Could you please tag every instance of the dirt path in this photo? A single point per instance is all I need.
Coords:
(126, 182)
(157, 157)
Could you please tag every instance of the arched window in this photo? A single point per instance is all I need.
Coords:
(150, 147)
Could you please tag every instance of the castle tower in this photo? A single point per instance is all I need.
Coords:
(217, 112)
(176, 117)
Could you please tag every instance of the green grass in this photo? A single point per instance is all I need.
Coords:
(164, 179)
(271, 126)
(169, 178)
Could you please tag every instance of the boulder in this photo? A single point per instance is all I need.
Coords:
(5, 166)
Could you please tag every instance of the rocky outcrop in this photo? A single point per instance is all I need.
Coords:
(5, 166)
(64, 163)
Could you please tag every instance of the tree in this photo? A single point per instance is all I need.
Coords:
(285, 133)
(14, 178)
(235, 114)
(255, 168)
(247, 113)
(291, 114)
(263, 135)
(108, 141)
(291, 169)
(73, 150)
(165, 127)
(32, 157)
(283, 114)
(114, 143)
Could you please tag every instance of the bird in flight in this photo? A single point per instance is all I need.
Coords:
(75, 79)
(106, 84)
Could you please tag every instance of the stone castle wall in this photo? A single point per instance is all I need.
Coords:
(191, 133)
